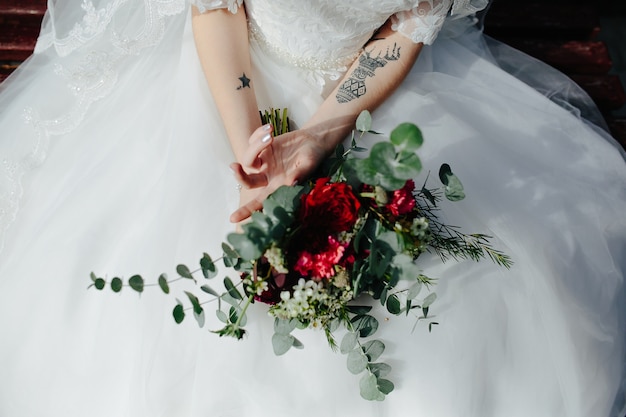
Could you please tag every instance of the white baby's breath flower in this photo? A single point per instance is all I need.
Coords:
(274, 256)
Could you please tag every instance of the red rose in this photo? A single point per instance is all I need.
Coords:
(402, 200)
(331, 207)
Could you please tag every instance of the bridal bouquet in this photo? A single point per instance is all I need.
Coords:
(318, 250)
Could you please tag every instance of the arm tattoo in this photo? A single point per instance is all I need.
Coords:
(245, 82)
(354, 87)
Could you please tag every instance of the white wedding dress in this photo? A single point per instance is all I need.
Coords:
(113, 159)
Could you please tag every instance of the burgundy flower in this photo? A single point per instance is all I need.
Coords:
(329, 207)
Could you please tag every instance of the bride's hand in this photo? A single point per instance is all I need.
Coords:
(271, 162)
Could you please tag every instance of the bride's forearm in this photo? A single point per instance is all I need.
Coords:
(221, 39)
(372, 78)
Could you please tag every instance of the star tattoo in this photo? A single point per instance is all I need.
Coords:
(245, 82)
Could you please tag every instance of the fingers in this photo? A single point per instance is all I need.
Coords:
(245, 211)
(260, 139)
(255, 180)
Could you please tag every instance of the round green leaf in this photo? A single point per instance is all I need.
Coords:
(116, 284)
(414, 290)
(200, 318)
(136, 283)
(250, 245)
(281, 343)
(429, 300)
(100, 283)
(369, 388)
(178, 313)
(366, 325)
(163, 283)
(373, 349)
(357, 361)
(454, 190)
(379, 369)
(284, 327)
(444, 172)
(209, 270)
(364, 121)
(382, 157)
(393, 304)
(385, 386)
(232, 291)
(209, 290)
(184, 271)
(407, 136)
(348, 342)
(221, 316)
(197, 308)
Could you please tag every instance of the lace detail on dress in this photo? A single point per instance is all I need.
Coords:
(93, 23)
(206, 5)
(423, 22)
(89, 76)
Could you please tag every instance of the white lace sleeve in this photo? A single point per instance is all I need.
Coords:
(206, 5)
(423, 22)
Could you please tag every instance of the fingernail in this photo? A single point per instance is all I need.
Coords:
(267, 127)
(266, 138)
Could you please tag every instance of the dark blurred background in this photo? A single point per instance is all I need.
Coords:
(584, 39)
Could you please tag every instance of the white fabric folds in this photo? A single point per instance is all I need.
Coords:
(113, 159)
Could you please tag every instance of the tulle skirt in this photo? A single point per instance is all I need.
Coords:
(134, 179)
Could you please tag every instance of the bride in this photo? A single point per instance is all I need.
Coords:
(117, 139)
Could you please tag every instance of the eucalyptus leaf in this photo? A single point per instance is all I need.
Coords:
(221, 316)
(229, 252)
(233, 314)
(282, 343)
(373, 349)
(348, 342)
(297, 344)
(232, 291)
(116, 284)
(250, 245)
(444, 172)
(209, 290)
(408, 165)
(200, 318)
(385, 386)
(366, 325)
(364, 121)
(284, 327)
(379, 369)
(359, 309)
(414, 290)
(183, 271)
(226, 297)
(383, 157)
(406, 267)
(209, 270)
(454, 190)
(197, 308)
(390, 183)
(136, 283)
(163, 283)
(407, 136)
(357, 361)
(429, 300)
(393, 304)
(287, 197)
(369, 388)
(178, 313)
(100, 283)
